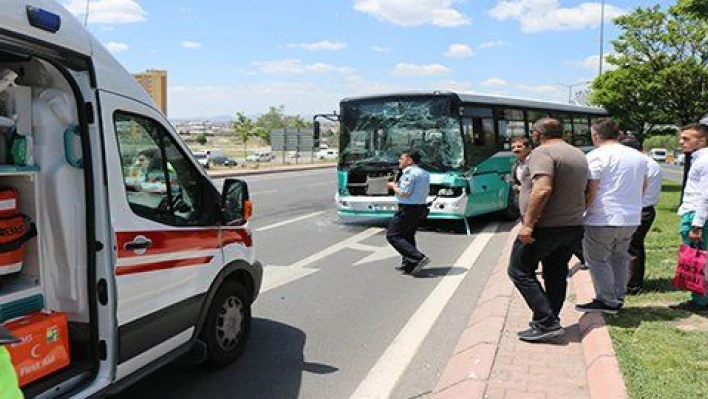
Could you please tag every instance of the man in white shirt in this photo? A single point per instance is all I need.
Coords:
(694, 205)
(650, 199)
(614, 201)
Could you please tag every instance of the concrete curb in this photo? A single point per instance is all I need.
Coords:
(468, 370)
(232, 173)
(601, 365)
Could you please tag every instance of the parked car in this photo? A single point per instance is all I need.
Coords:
(658, 154)
(222, 160)
(680, 159)
(328, 154)
(203, 159)
(260, 156)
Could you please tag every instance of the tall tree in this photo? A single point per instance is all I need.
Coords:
(243, 128)
(662, 68)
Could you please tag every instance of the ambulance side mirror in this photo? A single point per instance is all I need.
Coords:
(236, 206)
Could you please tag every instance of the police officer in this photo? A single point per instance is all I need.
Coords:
(411, 193)
(9, 388)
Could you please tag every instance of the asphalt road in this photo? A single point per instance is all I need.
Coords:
(334, 319)
(673, 172)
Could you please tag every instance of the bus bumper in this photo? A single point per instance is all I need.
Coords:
(442, 208)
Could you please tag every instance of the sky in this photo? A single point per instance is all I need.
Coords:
(229, 56)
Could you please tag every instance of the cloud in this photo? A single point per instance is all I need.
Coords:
(452, 85)
(593, 63)
(459, 51)
(547, 15)
(116, 47)
(419, 70)
(321, 45)
(295, 66)
(493, 82)
(108, 11)
(185, 9)
(413, 12)
(539, 88)
(378, 49)
(494, 43)
(191, 45)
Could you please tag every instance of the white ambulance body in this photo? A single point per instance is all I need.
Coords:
(135, 244)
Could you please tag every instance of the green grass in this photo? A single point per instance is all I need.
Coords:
(663, 353)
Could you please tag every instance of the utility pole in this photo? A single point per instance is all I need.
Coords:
(602, 36)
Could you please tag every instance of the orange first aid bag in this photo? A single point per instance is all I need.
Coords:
(15, 230)
(43, 346)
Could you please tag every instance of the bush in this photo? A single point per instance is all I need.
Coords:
(201, 139)
(666, 141)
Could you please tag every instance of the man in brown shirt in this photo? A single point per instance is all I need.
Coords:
(552, 202)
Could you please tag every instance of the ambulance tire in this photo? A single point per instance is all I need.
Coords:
(227, 324)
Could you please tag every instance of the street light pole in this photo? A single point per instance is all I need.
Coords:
(602, 36)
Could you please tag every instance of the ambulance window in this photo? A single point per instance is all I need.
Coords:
(161, 184)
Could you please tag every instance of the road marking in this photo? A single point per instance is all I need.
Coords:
(276, 276)
(378, 253)
(283, 223)
(384, 376)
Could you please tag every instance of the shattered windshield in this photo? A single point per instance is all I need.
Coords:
(377, 131)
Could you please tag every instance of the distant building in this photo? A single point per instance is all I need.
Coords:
(154, 81)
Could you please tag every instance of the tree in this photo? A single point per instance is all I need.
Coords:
(662, 69)
(201, 139)
(669, 142)
(243, 128)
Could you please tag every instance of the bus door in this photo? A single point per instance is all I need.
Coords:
(480, 138)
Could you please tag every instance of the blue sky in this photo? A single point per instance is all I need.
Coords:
(224, 57)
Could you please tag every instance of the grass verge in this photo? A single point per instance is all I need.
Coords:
(663, 353)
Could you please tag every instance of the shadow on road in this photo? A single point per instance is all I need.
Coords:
(435, 272)
(271, 367)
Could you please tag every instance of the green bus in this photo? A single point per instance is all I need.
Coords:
(464, 140)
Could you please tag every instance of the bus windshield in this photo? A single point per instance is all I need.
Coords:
(377, 131)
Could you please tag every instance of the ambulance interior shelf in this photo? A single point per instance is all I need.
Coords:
(21, 292)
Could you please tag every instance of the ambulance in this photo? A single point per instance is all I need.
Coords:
(117, 252)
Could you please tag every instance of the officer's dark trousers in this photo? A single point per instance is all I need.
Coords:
(553, 247)
(402, 228)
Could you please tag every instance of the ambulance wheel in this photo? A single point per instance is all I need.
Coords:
(227, 324)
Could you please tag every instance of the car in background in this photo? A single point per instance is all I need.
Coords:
(203, 159)
(680, 159)
(260, 156)
(222, 160)
(327, 154)
(658, 154)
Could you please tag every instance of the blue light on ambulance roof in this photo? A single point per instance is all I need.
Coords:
(43, 19)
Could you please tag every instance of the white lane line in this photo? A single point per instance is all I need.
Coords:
(275, 276)
(384, 376)
(263, 192)
(284, 222)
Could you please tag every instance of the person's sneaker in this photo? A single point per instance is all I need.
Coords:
(535, 334)
(420, 265)
(524, 332)
(596, 307)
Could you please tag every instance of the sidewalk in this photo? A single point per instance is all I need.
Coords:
(491, 362)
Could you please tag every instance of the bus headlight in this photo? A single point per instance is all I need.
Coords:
(448, 192)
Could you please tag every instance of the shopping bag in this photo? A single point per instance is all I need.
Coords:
(691, 270)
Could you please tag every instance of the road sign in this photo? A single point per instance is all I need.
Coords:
(291, 139)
